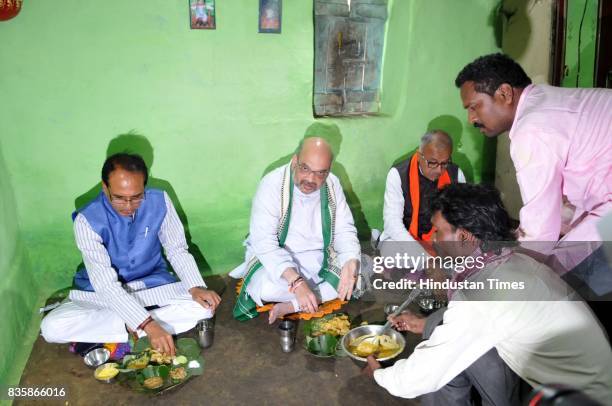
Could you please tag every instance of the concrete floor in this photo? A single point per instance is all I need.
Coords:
(244, 366)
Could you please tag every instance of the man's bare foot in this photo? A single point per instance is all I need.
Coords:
(279, 310)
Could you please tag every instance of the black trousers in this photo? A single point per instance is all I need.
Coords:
(495, 383)
(489, 375)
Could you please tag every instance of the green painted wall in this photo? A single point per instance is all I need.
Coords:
(18, 290)
(211, 109)
(580, 63)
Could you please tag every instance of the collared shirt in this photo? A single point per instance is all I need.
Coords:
(539, 332)
(129, 300)
(561, 144)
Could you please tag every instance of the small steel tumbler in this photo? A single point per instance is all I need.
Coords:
(286, 328)
(206, 331)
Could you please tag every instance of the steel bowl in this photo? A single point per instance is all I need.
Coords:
(371, 329)
(429, 304)
(96, 357)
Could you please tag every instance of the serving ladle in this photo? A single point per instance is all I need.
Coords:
(376, 337)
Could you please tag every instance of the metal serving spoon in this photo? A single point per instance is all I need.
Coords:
(376, 337)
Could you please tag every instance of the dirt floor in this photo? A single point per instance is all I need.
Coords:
(244, 366)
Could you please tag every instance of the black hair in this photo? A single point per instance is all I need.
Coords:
(477, 209)
(127, 161)
(489, 72)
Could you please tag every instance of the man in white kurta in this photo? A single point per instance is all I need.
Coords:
(538, 328)
(302, 237)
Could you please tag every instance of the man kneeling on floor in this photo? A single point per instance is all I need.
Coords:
(120, 234)
(302, 247)
(536, 329)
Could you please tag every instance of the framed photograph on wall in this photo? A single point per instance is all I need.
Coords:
(202, 14)
(270, 15)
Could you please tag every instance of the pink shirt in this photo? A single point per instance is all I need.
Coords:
(561, 145)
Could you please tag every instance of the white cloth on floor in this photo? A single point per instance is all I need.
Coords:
(72, 322)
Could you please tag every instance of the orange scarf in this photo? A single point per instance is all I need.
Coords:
(415, 197)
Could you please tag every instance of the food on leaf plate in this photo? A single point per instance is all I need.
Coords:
(153, 382)
(159, 357)
(336, 326)
(139, 363)
(178, 374)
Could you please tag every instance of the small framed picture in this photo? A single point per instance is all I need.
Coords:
(270, 14)
(202, 14)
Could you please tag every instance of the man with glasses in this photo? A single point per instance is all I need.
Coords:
(412, 183)
(124, 284)
(302, 247)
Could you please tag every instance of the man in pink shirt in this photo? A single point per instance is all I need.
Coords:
(561, 146)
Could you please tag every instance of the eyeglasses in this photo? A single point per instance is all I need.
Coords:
(305, 170)
(435, 164)
(124, 202)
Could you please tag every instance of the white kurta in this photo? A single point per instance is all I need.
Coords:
(540, 337)
(303, 248)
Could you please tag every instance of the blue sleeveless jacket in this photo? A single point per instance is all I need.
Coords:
(132, 243)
